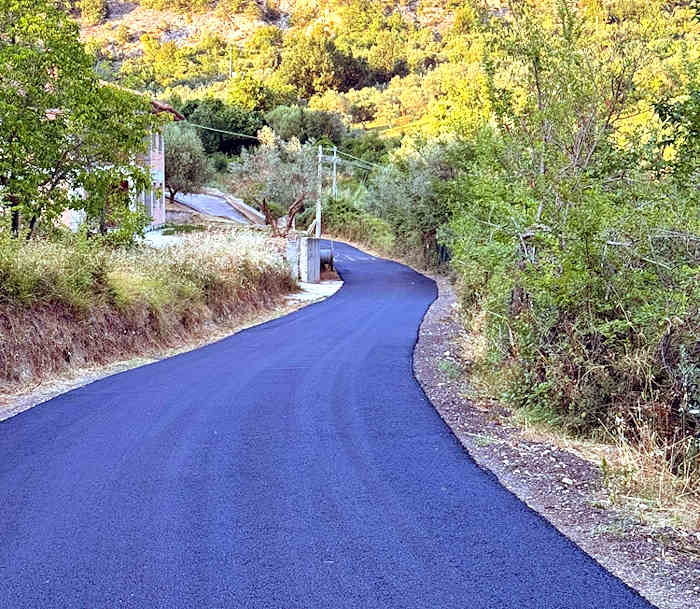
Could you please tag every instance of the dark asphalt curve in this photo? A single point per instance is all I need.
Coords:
(296, 465)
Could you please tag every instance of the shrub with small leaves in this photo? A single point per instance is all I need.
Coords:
(93, 11)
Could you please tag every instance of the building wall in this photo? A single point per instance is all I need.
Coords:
(73, 218)
(153, 198)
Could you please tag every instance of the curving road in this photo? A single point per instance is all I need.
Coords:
(211, 205)
(296, 465)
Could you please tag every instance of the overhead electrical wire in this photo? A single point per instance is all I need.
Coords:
(356, 162)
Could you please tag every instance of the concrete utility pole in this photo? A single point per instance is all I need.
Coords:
(335, 172)
(320, 188)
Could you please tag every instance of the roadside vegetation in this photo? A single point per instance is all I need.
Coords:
(559, 184)
(71, 301)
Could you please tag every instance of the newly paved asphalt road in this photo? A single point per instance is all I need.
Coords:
(296, 465)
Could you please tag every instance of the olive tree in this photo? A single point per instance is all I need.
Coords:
(187, 167)
(278, 177)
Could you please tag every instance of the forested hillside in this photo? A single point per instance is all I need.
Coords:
(545, 152)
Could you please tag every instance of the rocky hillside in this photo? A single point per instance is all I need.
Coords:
(119, 27)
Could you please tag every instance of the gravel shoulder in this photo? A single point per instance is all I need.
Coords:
(567, 489)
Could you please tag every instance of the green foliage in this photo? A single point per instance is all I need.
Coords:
(178, 5)
(344, 220)
(216, 114)
(165, 64)
(293, 121)
(220, 162)
(311, 63)
(123, 34)
(278, 177)
(681, 118)
(187, 167)
(63, 133)
(578, 257)
(178, 229)
(253, 94)
(370, 146)
(262, 51)
(93, 11)
(407, 195)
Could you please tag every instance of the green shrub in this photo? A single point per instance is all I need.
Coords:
(293, 121)
(600, 319)
(93, 11)
(345, 221)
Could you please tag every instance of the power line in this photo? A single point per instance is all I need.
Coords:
(360, 163)
(350, 156)
(250, 137)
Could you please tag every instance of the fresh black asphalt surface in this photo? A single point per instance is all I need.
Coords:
(295, 465)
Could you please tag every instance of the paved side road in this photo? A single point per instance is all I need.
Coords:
(212, 206)
(296, 465)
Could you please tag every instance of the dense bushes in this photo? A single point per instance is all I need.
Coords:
(216, 114)
(575, 229)
(599, 314)
(93, 11)
(293, 121)
(345, 221)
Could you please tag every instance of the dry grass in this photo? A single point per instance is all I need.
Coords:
(651, 478)
(75, 303)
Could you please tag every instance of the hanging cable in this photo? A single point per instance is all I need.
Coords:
(250, 137)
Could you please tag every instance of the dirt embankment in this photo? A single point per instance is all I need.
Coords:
(56, 318)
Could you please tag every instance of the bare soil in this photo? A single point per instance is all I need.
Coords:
(568, 489)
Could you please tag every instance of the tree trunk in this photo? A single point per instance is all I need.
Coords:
(15, 223)
(268, 217)
(32, 225)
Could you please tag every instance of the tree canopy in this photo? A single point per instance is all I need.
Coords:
(65, 139)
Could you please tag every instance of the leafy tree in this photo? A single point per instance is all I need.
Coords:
(214, 113)
(252, 94)
(293, 121)
(262, 52)
(311, 63)
(187, 167)
(62, 133)
(279, 178)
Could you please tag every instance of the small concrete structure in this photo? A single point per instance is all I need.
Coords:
(292, 255)
(310, 260)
